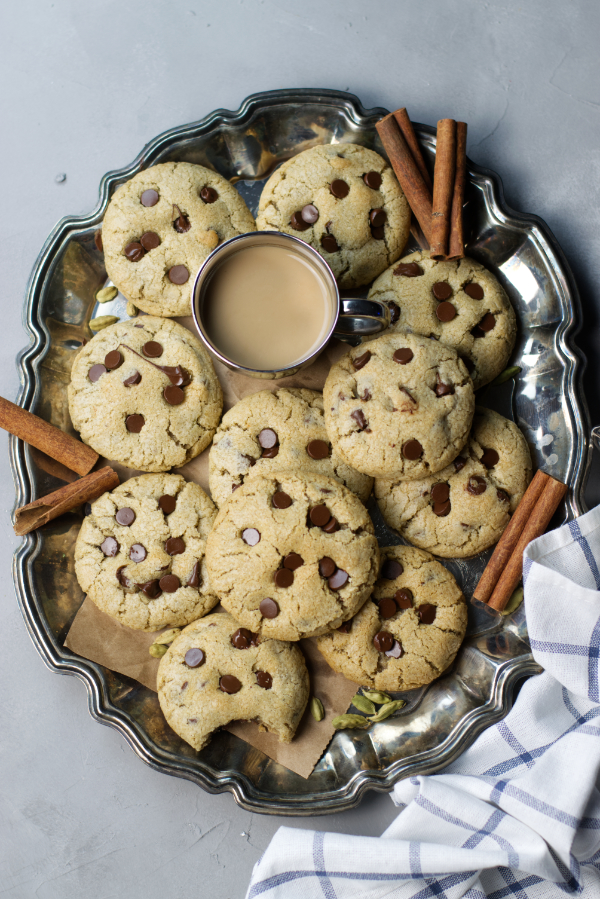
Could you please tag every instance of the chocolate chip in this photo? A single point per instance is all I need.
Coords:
(408, 270)
(345, 627)
(403, 356)
(149, 198)
(404, 598)
(137, 553)
(475, 291)
(391, 569)
(332, 526)
(234, 487)
(378, 233)
(109, 546)
(426, 613)
(502, 496)
(445, 312)
(113, 360)
(174, 396)
(377, 218)
(486, 324)
(242, 638)
(383, 641)
(270, 453)
(490, 458)
(412, 450)
(293, 561)
(167, 503)
(387, 608)
(182, 222)
(319, 515)
(194, 578)
(174, 546)
(194, 658)
(149, 240)
(153, 349)
(169, 583)
(318, 449)
(251, 536)
(309, 214)
(208, 194)
(441, 290)
(178, 274)
(264, 680)
(284, 577)
(134, 251)
(267, 438)
(396, 652)
(442, 389)
(329, 243)
(298, 223)
(459, 463)
(96, 372)
(135, 423)
(360, 361)
(338, 579)
(365, 395)
(269, 608)
(125, 516)
(359, 417)
(339, 189)
(229, 683)
(122, 578)
(151, 589)
(440, 493)
(327, 567)
(281, 500)
(394, 312)
(132, 380)
(372, 180)
(98, 241)
(442, 509)
(476, 485)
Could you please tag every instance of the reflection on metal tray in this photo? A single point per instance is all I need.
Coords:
(440, 721)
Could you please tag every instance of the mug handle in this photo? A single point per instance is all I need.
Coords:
(360, 318)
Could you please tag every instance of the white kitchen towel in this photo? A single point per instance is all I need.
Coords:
(518, 815)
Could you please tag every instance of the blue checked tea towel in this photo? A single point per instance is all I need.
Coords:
(518, 815)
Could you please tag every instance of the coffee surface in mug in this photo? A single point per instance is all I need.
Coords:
(267, 307)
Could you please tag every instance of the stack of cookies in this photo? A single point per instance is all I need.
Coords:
(286, 544)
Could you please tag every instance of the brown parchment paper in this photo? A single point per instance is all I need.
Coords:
(96, 636)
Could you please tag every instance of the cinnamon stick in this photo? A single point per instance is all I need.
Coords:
(407, 172)
(456, 248)
(50, 440)
(43, 510)
(443, 187)
(408, 133)
(538, 521)
(509, 539)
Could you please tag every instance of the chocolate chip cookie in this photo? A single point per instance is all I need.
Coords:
(459, 303)
(140, 552)
(292, 554)
(144, 392)
(410, 630)
(159, 228)
(400, 406)
(274, 431)
(345, 201)
(465, 508)
(216, 672)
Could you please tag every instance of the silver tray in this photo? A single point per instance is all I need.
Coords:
(440, 721)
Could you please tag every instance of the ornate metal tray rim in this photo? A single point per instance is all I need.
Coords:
(57, 658)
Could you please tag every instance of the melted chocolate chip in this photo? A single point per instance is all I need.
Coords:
(360, 361)
(319, 515)
(194, 578)
(339, 189)
(345, 628)
(377, 218)
(229, 683)
(174, 546)
(442, 509)
(298, 223)
(194, 658)
(150, 240)
(284, 577)
(378, 233)
(475, 291)
(242, 638)
(208, 194)
(137, 553)
(293, 561)
(178, 274)
(486, 324)
(281, 500)
(394, 312)
(151, 589)
(264, 680)
(167, 503)
(338, 579)
(459, 463)
(310, 214)
(270, 453)
(329, 243)
(318, 449)
(132, 380)
(404, 598)
(408, 270)
(153, 349)
(149, 198)
(412, 450)
(387, 608)
(122, 578)
(391, 569)
(490, 458)
(502, 496)
(251, 536)
(134, 251)
(327, 567)
(96, 372)
(396, 652)
(442, 389)
(403, 356)
(125, 516)
(113, 360)
(445, 312)
(182, 222)
(331, 527)
(267, 438)
(109, 546)
(169, 583)
(441, 290)
(426, 613)
(383, 641)
(440, 493)
(476, 485)
(359, 417)
(134, 423)
(174, 396)
(372, 180)
(269, 608)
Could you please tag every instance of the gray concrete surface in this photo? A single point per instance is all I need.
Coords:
(84, 87)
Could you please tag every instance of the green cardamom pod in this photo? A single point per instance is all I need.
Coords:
(377, 697)
(316, 709)
(167, 637)
(363, 704)
(157, 650)
(386, 710)
(107, 294)
(514, 602)
(131, 310)
(349, 721)
(103, 321)
(511, 372)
